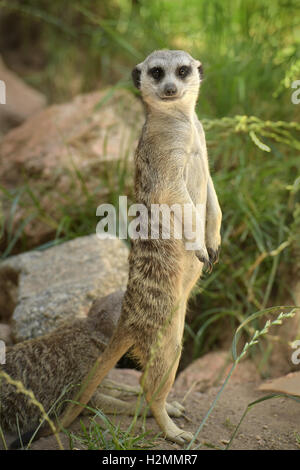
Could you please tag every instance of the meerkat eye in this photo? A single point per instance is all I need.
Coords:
(156, 72)
(183, 71)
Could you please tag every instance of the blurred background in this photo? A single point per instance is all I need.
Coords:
(251, 57)
(247, 47)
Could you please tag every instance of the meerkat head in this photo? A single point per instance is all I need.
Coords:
(168, 77)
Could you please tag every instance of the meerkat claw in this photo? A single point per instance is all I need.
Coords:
(183, 437)
(208, 265)
(202, 256)
(213, 255)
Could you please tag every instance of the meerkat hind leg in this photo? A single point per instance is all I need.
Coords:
(111, 389)
(156, 388)
(116, 389)
(111, 405)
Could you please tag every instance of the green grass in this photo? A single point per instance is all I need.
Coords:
(103, 433)
(259, 196)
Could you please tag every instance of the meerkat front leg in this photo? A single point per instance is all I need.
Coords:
(213, 223)
(193, 226)
(213, 211)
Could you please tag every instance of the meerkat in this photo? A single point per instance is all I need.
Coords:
(171, 167)
(51, 365)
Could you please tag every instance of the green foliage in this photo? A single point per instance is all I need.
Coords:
(102, 433)
(259, 193)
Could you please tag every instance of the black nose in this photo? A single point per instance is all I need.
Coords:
(170, 89)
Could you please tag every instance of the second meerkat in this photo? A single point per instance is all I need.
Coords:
(171, 167)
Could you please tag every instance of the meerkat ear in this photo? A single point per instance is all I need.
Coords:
(200, 69)
(136, 76)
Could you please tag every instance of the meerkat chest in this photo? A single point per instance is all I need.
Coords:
(196, 169)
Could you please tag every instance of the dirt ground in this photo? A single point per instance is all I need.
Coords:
(272, 424)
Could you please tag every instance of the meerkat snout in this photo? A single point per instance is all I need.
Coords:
(170, 89)
(166, 76)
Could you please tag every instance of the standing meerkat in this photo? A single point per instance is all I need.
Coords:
(171, 167)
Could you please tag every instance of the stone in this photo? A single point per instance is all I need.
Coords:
(62, 282)
(210, 370)
(5, 333)
(22, 101)
(289, 384)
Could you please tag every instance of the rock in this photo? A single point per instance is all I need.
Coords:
(210, 370)
(8, 292)
(62, 282)
(125, 376)
(289, 384)
(50, 150)
(22, 101)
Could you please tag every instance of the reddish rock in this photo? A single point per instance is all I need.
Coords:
(22, 101)
(125, 376)
(289, 384)
(210, 370)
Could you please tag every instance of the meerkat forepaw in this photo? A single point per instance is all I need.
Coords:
(203, 256)
(213, 254)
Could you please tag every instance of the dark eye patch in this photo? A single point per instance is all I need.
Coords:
(157, 73)
(183, 71)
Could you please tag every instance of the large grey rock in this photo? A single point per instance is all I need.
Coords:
(62, 282)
